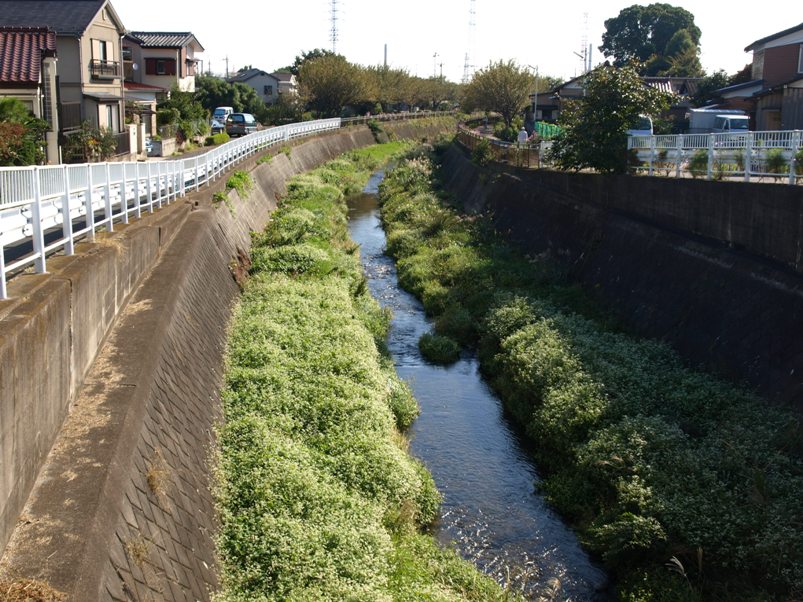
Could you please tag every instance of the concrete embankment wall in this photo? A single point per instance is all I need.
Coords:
(114, 361)
(712, 268)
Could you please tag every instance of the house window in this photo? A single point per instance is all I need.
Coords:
(128, 55)
(160, 66)
(102, 51)
(800, 60)
(268, 91)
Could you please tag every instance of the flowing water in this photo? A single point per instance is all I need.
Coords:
(491, 512)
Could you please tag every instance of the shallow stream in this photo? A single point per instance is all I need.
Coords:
(491, 512)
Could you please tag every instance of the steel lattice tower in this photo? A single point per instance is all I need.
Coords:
(468, 67)
(333, 31)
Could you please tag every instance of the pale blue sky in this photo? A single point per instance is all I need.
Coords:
(269, 34)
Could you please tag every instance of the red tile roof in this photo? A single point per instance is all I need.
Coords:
(139, 86)
(21, 53)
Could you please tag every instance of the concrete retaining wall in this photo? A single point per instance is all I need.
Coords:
(122, 509)
(708, 267)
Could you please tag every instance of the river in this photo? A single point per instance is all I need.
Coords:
(491, 511)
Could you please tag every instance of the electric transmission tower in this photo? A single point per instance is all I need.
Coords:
(468, 67)
(333, 32)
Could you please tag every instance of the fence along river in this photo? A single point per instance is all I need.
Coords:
(491, 512)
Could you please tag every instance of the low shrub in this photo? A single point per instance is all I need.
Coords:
(216, 139)
(439, 349)
(241, 182)
(698, 164)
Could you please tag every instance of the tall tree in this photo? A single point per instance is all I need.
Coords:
(330, 83)
(502, 87)
(309, 55)
(650, 35)
(595, 126)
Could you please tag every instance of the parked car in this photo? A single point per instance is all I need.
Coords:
(217, 126)
(221, 113)
(239, 124)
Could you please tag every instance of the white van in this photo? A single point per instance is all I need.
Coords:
(219, 115)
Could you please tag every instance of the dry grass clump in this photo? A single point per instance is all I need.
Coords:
(28, 590)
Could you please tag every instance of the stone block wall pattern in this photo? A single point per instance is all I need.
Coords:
(122, 507)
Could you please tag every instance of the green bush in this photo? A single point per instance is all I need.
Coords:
(776, 161)
(215, 139)
(438, 349)
(698, 164)
(241, 182)
(482, 154)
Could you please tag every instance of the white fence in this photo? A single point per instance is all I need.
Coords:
(775, 154)
(46, 209)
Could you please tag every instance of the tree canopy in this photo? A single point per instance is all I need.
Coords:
(22, 136)
(329, 83)
(662, 37)
(502, 87)
(594, 127)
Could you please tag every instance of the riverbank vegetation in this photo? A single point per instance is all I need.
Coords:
(687, 487)
(317, 495)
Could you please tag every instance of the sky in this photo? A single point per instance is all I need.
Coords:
(432, 37)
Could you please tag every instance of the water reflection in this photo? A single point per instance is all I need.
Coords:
(490, 510)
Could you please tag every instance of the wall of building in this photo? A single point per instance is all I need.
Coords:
(713, 268)
(780, 64)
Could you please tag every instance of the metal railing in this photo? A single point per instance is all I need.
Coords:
(402, 116)
(521, 154)
(47, 209)
(101, 69)
(774, 154)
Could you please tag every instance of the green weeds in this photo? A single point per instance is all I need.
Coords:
(317, 496)
(649, 459)
(241, 182)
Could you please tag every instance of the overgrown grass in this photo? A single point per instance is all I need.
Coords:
(317, 495)
(240, 181)
(649, 459)
(439, 349)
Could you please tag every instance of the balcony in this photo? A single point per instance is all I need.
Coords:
(104, 69)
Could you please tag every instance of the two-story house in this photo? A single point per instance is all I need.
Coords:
(88, 43)
(154, 63)
(287, 83)
(162, 59)
(774, 96)
(28, 73)
(265, 84)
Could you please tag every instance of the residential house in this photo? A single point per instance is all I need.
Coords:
(88, 43)
(287, 83)
(265, 84)
(162, 59)
(551, 102)
(774, 96)
(154, 63)
(28, 73)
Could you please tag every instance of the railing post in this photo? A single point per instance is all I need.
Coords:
(90, 210)
(109, 212)
(678, 155)
(710, 173)
(748, 157)
(66, 220)
(137, 194)
(197, 175)
(124, 196)
(36, 218)
(652, 155)
(793, 160)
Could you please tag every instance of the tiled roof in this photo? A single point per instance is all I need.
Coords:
(21, 53)
(165, 39)
(139, 86)
(68, 17)
(248, 74)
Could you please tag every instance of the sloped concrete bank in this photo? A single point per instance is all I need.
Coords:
(122, 508)
(667, 265)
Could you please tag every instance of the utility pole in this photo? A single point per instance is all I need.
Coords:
(435, 65)
(227, 67)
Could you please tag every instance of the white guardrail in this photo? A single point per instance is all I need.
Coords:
(35, 200)
(775, 154)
